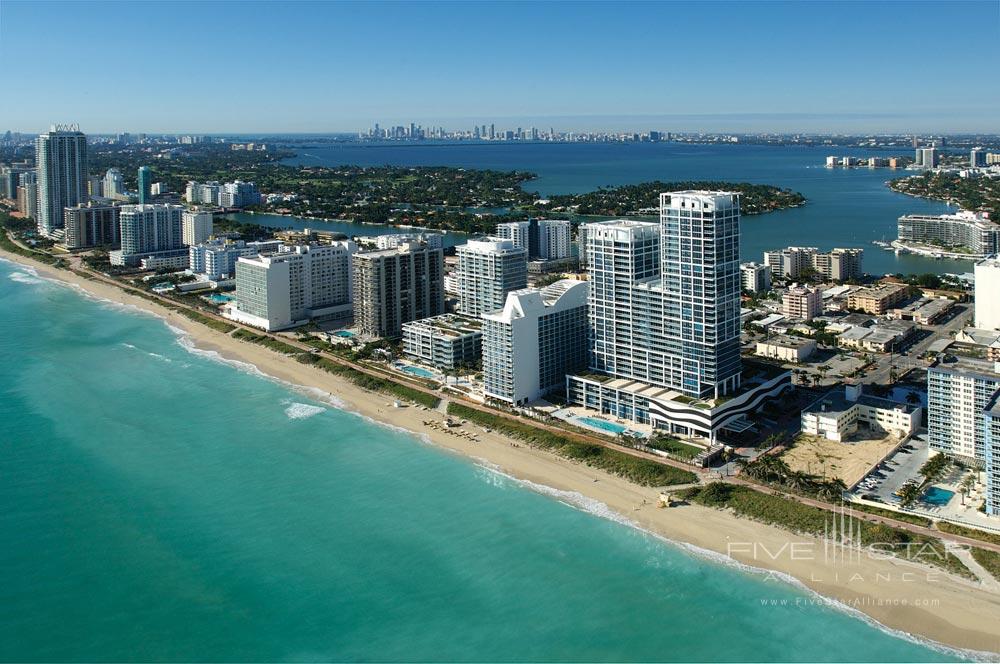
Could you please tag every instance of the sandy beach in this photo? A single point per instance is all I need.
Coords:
(907, 597)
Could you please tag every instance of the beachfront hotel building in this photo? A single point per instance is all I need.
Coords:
(61, 157)
(294, 285)
(196, 226)
(396, 286)
(447, 341)
(27, 200)
(664, 320)
(91, 225)
(972, 232)
(151, 231)
(488, 269)
(987, 273)
(963, 417)
(991, 455)
(957, 395)
(531, 344)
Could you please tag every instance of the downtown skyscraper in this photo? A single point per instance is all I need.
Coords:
(61, 156)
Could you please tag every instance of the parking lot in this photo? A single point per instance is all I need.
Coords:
(894, 472)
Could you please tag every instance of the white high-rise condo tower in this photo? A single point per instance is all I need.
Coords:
(700, 282)
(664, 319)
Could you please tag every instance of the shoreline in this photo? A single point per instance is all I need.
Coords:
(901, 597)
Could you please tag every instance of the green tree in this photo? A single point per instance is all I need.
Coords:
(908, 494)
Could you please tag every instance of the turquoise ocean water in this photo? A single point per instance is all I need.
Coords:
(846, 207)
(158, 504)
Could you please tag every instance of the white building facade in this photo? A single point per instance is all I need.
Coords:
(555, 239)
(755, 277)
(531, 344)
(488, 269)
(196, 226)
(294, 285)
(147, 230)
(664, 319)
(988, 294)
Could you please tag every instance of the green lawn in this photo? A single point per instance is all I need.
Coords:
(792, 515)
(640, 471)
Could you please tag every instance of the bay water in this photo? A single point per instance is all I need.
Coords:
(845, 207)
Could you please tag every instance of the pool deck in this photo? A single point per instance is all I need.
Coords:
(417, 370)
(572, 414)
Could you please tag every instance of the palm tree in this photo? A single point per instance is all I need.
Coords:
(798, 480)
(752, 469)
(912, 397)
(967, 485)
(908, 494)
(831, 489)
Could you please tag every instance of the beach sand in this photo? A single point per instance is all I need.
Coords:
(903, 596)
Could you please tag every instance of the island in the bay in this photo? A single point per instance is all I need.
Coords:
(976, 194)
(438, 197)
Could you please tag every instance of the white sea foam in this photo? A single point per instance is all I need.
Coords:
(188, 344)
(28, 276)
(301, 411)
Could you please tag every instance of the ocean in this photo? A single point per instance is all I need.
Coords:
(845, 207)
(159, 503)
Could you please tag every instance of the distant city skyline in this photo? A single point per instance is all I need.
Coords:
(341, 67)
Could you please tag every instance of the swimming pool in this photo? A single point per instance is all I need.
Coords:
(937, 496)
(343, 334)
(603, 425)
(418, 371)
(219, 298)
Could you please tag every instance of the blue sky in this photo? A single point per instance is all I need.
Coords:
(317, 67)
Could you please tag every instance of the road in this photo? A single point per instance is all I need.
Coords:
(880, 373)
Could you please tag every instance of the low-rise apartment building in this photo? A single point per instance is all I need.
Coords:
(448, 341)
(837, 415)
(801, 302)
(878, 299)
(786, 348)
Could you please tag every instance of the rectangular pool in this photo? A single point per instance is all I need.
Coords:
(603, 425)
(418, 371)
(937, 496)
